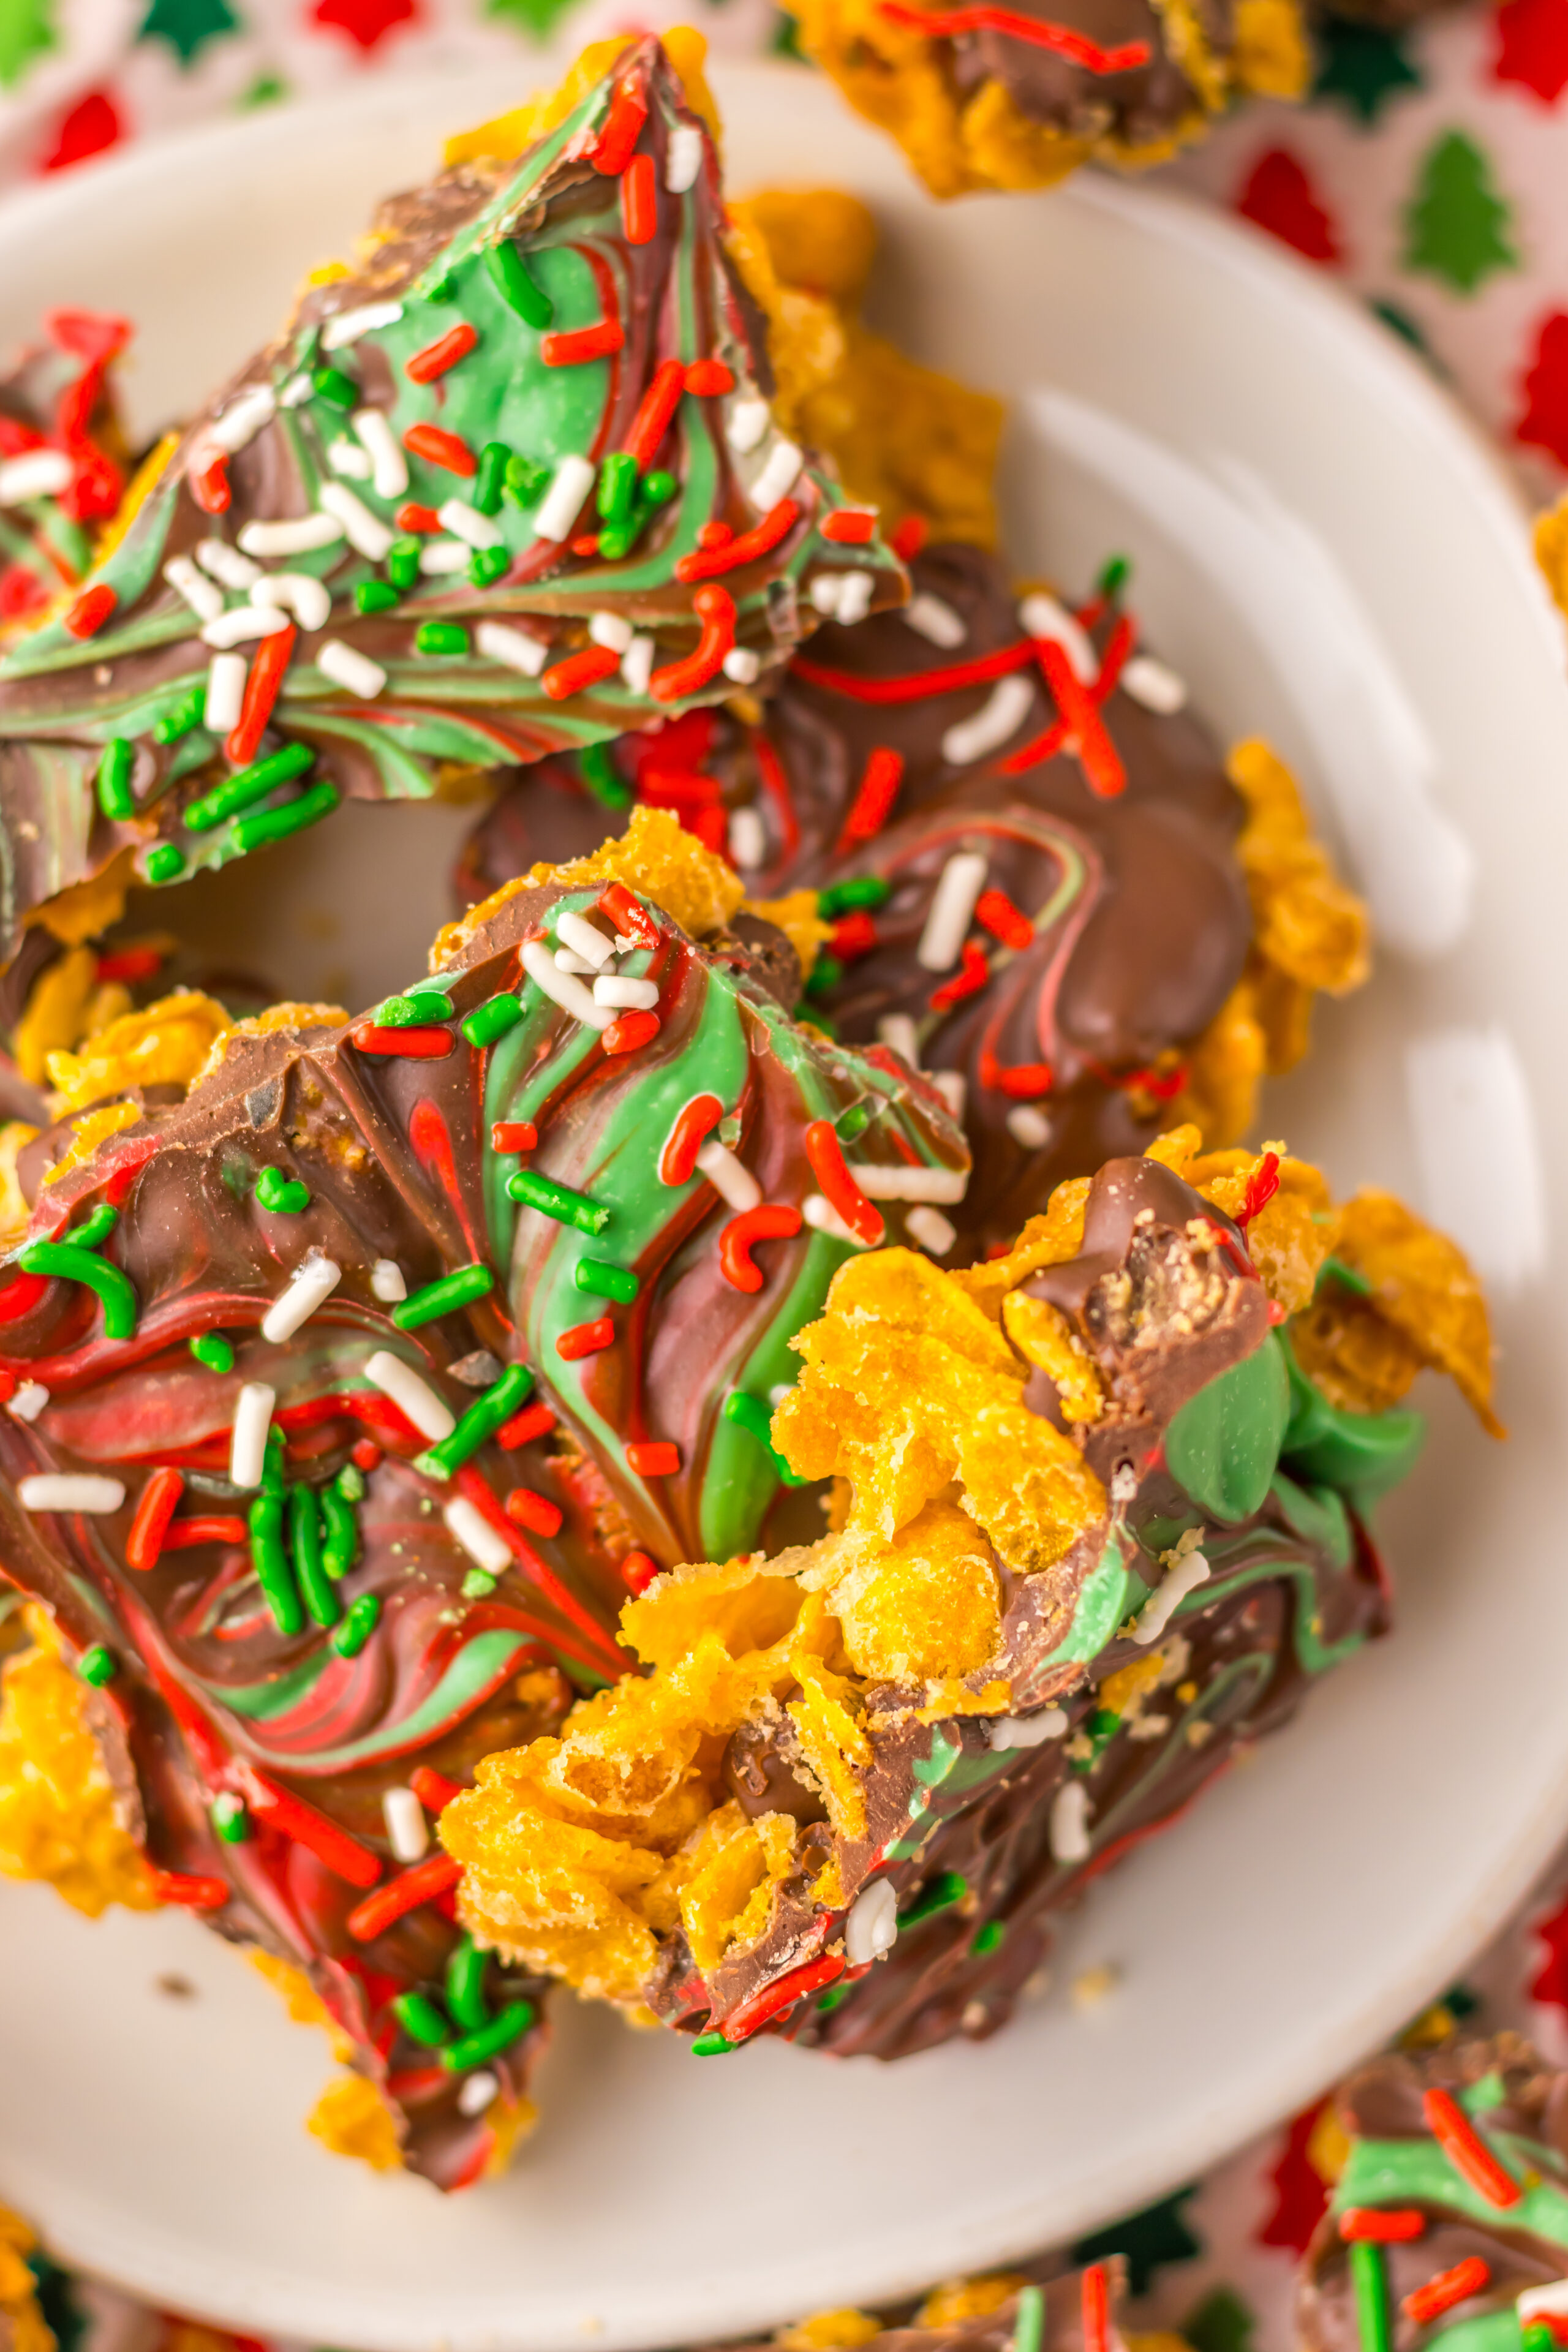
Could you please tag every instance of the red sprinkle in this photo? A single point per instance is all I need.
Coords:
(1466, 2150)
(587, 545)
(873, 802)
(210, 485)
(653, 1457)
(443, 353)
(590, 667)
(973, 972)
(343, 1856)
(1020, 1081)
(715, 534)
(909, 537)
(513, 1134)
(947, 24)
(262, 687)
(594, 342)
(693, 1123)
(401, 1895)
(825, 1156)
(89, 613)
(194, 1891)
(419, 1043)
(708, 378)
(715, 608)
(707, 562)
(132, 963)
(1261, 1187)
(412, 515)
(1367, 2225)
(21, 1295)
(638, 1572)
(639, 201)
(1095, 2306)
(995, 912)
(432, 1789)
(184, 1535)
(611, 150)
(852, 935)
(916, 686)
(535, 1512)
(631, 1031)
(657, 405)
(439, 447)
(769, 1221)
(784, 1994)
(1099, 756)
(850, 526)
(365, 1454)
(534, 1421)
(630, 917)
(1425, 2303)
(160, 1497)
(587, 1339)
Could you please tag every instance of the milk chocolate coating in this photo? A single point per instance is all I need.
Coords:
(1141, 106)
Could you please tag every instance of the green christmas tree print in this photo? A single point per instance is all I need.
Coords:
(27, 31)
(1361, 66)
(1457, 225)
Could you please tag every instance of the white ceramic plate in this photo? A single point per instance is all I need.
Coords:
(1329, 555)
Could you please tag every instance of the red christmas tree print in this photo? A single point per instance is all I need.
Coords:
(85, 129)
(1532, 47)
(1544, 423)
(368, 22)
(1279, 196)
(1301, 2196)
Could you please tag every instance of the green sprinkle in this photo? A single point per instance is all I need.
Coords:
(1371, 2295)
(557, 1200)
(491, 479)
(749, 1413)
(402, 564)
(1537, 2337)
(861, 890)
(492, 1020)
(182, 717)
(398, 1013)
(525, 480)
(94, 1230)
(711, 2045)
(1029, 2326)
(825, 974)
(603, 778)
(659, 488)
(272, 1463)
(284, 1195)
(276, 825)
(1102, 1727)
(164, 863)
(211, 1348)
(421, 2020)
(69, 1263)
(340, 1542)
(248, 785)
(477, 1585)
(940, 1895)
(605, 1281)
(376, 597)
(990, 1936)
(1334, 1269)
(96, 1666)
(331, 384)
(829, 2001)
(305, 1542)
(230, 1818)
(486, 563)
(852, 1122)
(440, 289)
(519, 291)
(1115, 575)
(808, 1011)
(350, 1638)
(114, 794)
(440, 638)
(442, 1297)
(506, 2027)
(617, 486)
(465, 1987)
(349, 1483)
(483, 1418)
(270, 1561)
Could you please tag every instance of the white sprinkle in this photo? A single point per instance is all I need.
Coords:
(936, 622)
(1043, 617)
(54, 1491)
(952, 903)
(204, 596)
(228, 565)
(561, 987)
(1069, 1824)
(1149, 681)
(825, 594)
(366, 533)
(296, 391)
(485, 1546)
(630, 995)
(888, 1181)
(411, 1393)
(241, 624)
(742, 664)
(466, 522)
(37, 474)
(256, 406)
(407, 1830)
(226, 692)
(29, 1400)
(953, 1087)
(389, 467)
(297, 535)
(576, 932)
(1123, 1483)
(897, 1031)
(387, 1281)
(1550, 2300)
(871, 1927)
(347, 458)
(747, 422)
(823, 1218)
(683, 157)
(562, 501)
(477, 2092)
(748, 840)
(730, 1179)
(313, 1279)
(1028, 1731)
(1002, 714)
(353, 671)
(611, 630)
(636, 664)
(778, 477)
(568, 960)
(1183, 1577)
(855, 597)
(247, 1447)
(1030, 1126)
(440, 555)
(349, 325)
(513, 649)
(933, 1231)
(309, 599)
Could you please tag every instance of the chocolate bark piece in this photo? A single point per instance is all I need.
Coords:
(1078, 2310)
(264, 1307)
(62, 459)
(507, 483)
